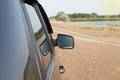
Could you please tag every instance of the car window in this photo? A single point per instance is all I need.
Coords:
(39, 34)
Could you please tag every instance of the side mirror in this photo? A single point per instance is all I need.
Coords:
(65, 41)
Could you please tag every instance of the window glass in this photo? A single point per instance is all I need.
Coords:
(40, 37)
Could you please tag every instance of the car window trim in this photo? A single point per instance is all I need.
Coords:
(32, 2)
(50, 66)
(30, 32)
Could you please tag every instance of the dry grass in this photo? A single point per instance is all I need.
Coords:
(97, 31)
(106, 28)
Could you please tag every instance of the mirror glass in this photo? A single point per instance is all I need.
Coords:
(65, 41)
(44, 48)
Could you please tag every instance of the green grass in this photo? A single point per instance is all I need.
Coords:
(95, 19)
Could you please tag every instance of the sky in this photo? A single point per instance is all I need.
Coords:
(102, 7)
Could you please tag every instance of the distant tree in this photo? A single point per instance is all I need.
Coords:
(112, 16)
(118, 15)
(94, 15)
(82, 15)
(61, 16)
(74, 15)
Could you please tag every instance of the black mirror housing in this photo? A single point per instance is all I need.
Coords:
(65, 41)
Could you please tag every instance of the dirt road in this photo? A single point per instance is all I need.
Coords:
(91, 59)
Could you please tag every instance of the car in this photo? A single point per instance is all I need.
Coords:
(27, 48)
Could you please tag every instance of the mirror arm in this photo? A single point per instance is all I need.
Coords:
(54, 42)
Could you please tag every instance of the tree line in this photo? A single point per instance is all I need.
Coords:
(92, 15)
(61, 16)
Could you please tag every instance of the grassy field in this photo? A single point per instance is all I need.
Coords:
(101, 31)
(102, 28)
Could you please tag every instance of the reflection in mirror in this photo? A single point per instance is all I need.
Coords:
(65, 41)
(44, 48)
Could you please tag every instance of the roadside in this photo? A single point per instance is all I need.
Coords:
(106, 31)
(96, 55)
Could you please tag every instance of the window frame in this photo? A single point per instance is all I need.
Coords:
(38, 65)
(49, 70)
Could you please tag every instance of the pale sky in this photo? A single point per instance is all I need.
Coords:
(102, 7)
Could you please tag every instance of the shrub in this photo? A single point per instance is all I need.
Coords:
(61, 16)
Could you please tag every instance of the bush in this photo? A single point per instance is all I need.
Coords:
(61, 16)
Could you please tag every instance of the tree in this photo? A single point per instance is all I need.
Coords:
(118, 15)
(94, 15)
(61, 16)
